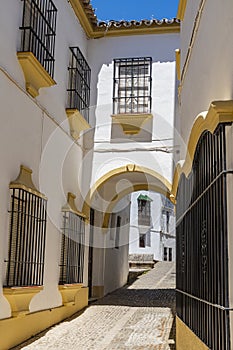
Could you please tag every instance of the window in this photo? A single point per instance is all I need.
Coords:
(27, 239)
(165, 253)
(72, 253)
(117, 237)
(170, 254)
(142, 240)
(145, 239)
(79, 83)
(132, 85)
(165, 222)
(39, 30)
(144, 210)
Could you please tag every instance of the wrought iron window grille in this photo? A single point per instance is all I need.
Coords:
(132, 85)
(144, 212)
(25, 264)
(72, 249)
(79, 83)
(38, 31)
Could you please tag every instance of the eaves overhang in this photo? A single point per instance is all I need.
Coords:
(97, 29)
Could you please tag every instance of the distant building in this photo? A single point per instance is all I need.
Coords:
(152, 227)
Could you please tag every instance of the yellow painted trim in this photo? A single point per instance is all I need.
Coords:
(24, 181)
(19, 298)
(15, 330)
(131, 123)
(77, 122)
(160, 29)
(186, 339)
(68, 292)
(82, 17)
(98, 291)
(71, 206)
(118, 171)
(94, 32)
(125, 192)
(181, 9)
(219, 112)
(36, 76)
(178, 72)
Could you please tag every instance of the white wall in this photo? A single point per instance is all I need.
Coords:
(209, 74)
(31, 135)
(110, 264)
(101, 53)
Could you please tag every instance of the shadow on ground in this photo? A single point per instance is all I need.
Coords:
(141, 298)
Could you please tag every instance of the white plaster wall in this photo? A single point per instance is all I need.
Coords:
(68, 33)
(31, 135)
(110, 265)
(101, 54)
(209, 75)
(187, 27)
(116, 260)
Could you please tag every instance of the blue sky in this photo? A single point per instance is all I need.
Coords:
(135, 9)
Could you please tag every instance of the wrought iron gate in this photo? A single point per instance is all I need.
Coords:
(202, 247)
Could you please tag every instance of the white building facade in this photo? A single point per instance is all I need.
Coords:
(152, 227)
(69, 159)
(202, 182)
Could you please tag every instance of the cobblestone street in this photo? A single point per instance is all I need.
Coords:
(138, 316)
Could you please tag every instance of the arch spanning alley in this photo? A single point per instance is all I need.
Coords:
(117, 183)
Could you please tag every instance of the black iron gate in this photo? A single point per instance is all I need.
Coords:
(202, 247)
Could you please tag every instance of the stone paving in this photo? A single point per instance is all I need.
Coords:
(139, 316)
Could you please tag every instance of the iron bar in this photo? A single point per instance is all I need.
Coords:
(79, 83)
(132, 85)
(202, 241)
(72, 252)
(39, 31)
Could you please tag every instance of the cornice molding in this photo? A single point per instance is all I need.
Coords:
(94, 29)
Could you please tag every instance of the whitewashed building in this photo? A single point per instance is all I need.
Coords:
(203, 179)
(152, 228)
(87, 113)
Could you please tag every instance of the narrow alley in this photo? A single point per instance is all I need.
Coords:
(137, 316)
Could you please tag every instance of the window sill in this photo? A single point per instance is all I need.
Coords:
(131, 123)
(77, 122)
(19, 298)
(36, 77)
(68, 292)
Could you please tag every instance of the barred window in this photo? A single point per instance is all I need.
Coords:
(39, 30)
(72, 249)
(79, 83)
(132, 85)
(144, 212)
(27, 239)
(165, 220)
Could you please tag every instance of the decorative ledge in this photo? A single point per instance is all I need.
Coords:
(131, 123)
(68, 292)
(71, 206)
(20, 298)
(77, 122)
(36, 76)
(24, 181)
